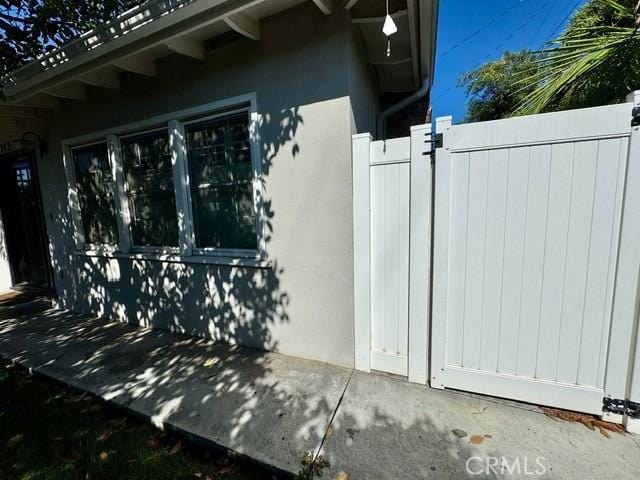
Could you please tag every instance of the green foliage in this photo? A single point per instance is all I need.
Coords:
(30, 28)
(51, 432)
(595, 61)
(494, 89)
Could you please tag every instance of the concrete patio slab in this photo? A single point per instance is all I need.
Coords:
(390, 429)
(275, 408)
(268, 406)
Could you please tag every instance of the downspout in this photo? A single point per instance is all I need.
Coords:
(405, 102)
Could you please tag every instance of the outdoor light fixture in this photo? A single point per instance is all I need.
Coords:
(389, 28)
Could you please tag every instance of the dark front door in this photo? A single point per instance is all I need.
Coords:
(23, 222)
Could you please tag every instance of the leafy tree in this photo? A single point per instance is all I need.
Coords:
(494, 89)
(30, 28)
(595, 61)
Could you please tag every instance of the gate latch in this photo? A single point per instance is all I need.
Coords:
(621, 407)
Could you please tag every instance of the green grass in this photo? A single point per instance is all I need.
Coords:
(51, 432)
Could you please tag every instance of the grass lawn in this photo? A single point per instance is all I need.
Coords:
(49, 431)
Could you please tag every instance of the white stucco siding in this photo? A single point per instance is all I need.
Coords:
(5, 268)
(363, 90)
(302, 304)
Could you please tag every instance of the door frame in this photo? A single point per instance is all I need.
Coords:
(31, 150)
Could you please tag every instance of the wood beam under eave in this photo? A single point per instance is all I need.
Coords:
(40, 100)
(137, 64)
(187, 47)
(324, 6)
(13, 111)
(107, 77)
(350, 3)
(71, 90)
(244, 25)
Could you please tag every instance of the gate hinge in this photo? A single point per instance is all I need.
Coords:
(621, 407)
(635, 116)
(439, 141)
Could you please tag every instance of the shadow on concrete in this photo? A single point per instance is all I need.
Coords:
(271, 407)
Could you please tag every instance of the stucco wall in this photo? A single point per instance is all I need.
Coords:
(363, 89)
(303, 303)
(5, 268)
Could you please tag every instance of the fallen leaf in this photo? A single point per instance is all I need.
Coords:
(117, 421)
(343, 476)
(13, 441)
(459, 433)
(104, 456)
(72, 457)
(176, 448)
(104, 435)
(330, 431)
(210, 362)
(476, 439)
(590, 421)
(604, 432)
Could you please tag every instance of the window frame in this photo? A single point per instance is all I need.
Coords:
(255, 160)
(74, 201)
(174, 123)
(124, 198)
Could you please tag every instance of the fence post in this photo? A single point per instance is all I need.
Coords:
(633, 423)
(419, 252)
(439, 292)
(625, 311)
(361, 151)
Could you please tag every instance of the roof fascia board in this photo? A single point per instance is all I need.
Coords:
(180, 22)
(414, 38)
(428, 21)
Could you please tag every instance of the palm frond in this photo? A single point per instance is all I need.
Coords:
(575, 56)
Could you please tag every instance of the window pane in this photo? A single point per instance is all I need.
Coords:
(149, 179)
(221, 175)
(94, 182)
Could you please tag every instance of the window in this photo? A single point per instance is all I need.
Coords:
(181, 187)
(146, 161)
(221, 178)
(95, 187)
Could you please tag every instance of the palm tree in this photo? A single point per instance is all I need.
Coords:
(595, 61)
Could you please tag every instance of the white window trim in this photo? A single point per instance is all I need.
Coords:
(256, 184)
(175, 123)
(74, 202)
(127, 233)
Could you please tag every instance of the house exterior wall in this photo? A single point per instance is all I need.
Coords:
(363, 90)
(302, 303)
(5, 268)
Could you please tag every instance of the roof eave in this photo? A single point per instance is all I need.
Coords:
(178, 22)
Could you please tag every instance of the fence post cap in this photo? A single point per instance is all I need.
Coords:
(634, 97)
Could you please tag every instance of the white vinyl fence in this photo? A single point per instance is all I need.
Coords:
(392, 198)
(536, 255)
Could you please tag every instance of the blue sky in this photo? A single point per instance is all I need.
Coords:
(472, 32)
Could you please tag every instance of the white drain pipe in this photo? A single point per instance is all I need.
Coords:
(405, 102)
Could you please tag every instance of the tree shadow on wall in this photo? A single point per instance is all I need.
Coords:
(267, 406)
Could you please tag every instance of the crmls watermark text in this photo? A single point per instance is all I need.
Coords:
(505, 466)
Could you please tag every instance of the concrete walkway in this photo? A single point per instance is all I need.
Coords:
(275, 408)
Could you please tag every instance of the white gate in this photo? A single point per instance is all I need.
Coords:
(392, 191)
(527, 226)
